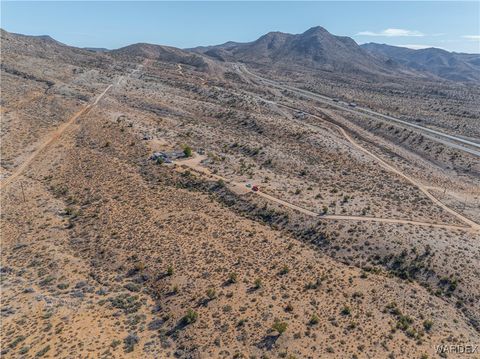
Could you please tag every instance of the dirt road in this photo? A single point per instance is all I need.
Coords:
(475, 226)
(194, 163)
(389, 167)
(55, 135)
(49, 140)
(441, 137)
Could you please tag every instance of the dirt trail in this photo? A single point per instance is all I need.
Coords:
(389, 167)
(180, 69)
(54, 136)
(473, 225)
(49, 140)
(194, 163)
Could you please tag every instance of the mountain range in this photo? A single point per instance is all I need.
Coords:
(448, 65)
(316, 49)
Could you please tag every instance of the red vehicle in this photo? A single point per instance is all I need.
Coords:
(255, 188)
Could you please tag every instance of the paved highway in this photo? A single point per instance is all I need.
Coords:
(437, 136)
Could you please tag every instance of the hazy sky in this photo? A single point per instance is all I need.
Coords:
(454, 26)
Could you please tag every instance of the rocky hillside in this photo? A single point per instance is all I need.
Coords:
(160, 53)
(316, 48)
(448, 65)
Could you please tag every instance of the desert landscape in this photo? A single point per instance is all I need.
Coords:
(271, 199)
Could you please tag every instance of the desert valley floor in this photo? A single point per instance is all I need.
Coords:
(361, 242)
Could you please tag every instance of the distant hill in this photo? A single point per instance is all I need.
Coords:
(161, 53)
(448, 65)
(46, 47)
(316, 48)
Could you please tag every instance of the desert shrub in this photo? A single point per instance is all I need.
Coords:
(42, 351)
(170, 271)
(313, 285)
(450, 284)
(279, 327)
(187, 151)
(314, 320)
(115, 343)
(258, 283)
(129, 304)
(428, 324)
(129, 342)
(393, 309)
(346, 310)
(351, 325)
(404, 322)
(233, 278)
(132, 287)
(190, 317)
(17, 340)
(284, 270)
(211, 294)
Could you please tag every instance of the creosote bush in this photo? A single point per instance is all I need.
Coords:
(346, 310)
(211, 294)
(284, 270)
(190, 317)
(233, 278)
(428, 324)
(187, 151)
(314, 320)
(279, 327)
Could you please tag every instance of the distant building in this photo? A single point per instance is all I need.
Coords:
(167, 157)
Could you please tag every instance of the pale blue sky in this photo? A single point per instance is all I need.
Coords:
(454, 26)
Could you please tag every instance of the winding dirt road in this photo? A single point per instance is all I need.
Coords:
(424, 189)
(389, 167)
(240, 188)
(194, 163)
(441, 137)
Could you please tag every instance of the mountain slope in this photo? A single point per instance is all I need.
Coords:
(316, 48)
(161, 53)
(444, 64)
